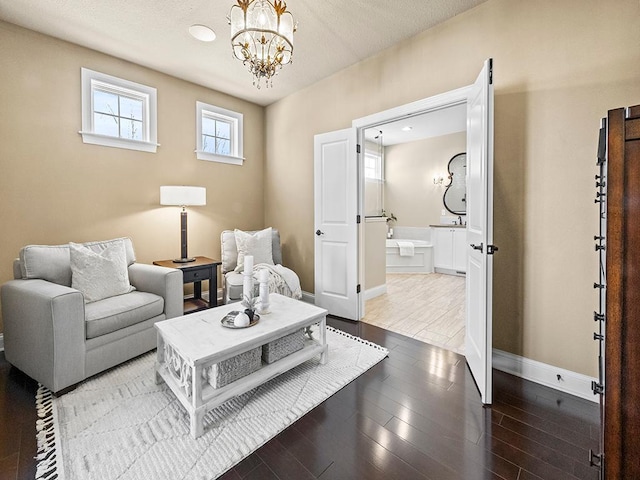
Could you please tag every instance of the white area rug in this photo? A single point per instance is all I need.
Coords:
(122, 425)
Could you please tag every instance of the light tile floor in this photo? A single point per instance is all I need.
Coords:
(427, 307)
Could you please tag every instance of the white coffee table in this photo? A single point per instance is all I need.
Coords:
(192, 343)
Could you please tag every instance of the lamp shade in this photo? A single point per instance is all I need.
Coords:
(183, 196)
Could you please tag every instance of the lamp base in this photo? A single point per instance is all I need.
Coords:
(184, 260)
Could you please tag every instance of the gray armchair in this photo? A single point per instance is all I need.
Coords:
(232, 281)
(53, 336)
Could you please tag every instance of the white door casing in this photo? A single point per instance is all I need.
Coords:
(336, 229)
(479, 281)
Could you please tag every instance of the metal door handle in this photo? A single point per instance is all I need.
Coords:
(477, 247)
(319, 232)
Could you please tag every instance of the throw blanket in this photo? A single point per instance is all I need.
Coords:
(406, 248)
(281, 280)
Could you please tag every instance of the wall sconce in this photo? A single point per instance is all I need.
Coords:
(438, 180)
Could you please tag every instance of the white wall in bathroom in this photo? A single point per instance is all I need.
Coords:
(410, 193)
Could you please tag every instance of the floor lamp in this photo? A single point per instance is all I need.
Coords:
(183, 197)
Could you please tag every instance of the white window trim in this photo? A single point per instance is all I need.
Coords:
(89, 78)
(236, 157)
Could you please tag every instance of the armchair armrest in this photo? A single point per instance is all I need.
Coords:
(44, 331)
(166, 282)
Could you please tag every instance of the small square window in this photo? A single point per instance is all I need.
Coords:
(118, 113)
(372, 166)
(219, 134)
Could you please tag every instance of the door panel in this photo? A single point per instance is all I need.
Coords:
(478, 338)
(336, 234)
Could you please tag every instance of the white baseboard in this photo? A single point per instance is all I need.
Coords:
(308, 297)
(1, 342)
(554, 377)
(375, 291)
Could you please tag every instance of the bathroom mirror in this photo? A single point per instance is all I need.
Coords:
(455, 196)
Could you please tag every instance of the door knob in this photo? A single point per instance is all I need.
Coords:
(477, 247)
(319, 232)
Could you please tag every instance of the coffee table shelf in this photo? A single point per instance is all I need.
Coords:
(189, 345)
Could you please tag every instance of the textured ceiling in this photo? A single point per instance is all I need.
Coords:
(332, 34)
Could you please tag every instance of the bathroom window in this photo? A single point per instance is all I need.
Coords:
(372, 166)
(118, 113)
(219, 134)
(373, 183)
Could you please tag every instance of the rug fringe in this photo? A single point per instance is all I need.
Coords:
(47, 458)
(358, 339)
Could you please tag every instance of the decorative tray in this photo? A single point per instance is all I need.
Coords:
(227, 320)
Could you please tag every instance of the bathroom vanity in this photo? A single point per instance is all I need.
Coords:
(449, 248)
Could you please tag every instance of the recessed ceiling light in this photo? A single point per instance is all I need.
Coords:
(407, 129)
(202, 33)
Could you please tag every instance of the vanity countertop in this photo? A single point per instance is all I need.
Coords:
(448, 226)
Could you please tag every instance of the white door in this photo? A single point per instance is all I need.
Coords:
(478, 341)
(336, 229)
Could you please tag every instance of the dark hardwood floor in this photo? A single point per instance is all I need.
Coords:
(415, 415)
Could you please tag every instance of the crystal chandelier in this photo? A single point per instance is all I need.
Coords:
(262, 37)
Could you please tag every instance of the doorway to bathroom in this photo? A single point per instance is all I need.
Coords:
(338, 206)
(406, 288)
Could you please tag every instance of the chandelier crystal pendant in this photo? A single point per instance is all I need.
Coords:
(262, 37)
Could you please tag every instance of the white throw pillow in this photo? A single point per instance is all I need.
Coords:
(99, 275)
(258, 244)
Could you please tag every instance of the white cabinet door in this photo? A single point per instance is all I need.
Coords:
(460, 249)
(443, 248)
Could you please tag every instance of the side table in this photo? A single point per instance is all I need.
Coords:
(203, 268)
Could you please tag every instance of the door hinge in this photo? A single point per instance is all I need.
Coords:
(491, 249)
(490, 71)
(358, 148)
(357, 218)
(596, 459)
(597, 388)
(358, 289)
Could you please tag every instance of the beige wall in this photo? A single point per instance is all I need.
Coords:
(558, 68)
(375, 252)
(55, 189)
(409, 191)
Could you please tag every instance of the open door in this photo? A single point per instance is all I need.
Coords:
(336, 229)
(479, 282)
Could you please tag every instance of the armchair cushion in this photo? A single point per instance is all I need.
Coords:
(117, 312)
(53, 262)
(99, 275)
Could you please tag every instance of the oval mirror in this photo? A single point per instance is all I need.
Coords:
(455, 196)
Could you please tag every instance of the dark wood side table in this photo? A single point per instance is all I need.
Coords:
(203, 268)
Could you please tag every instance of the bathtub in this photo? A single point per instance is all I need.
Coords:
(420, 262)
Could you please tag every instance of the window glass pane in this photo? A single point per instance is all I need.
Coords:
(131, 129)
(223, 129)
(105, 124)
(208, 144)
(131, 108)
(208, 126)
(223, 146)
(105, 102)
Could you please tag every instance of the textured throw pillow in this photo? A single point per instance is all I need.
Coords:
(257, 244)
(99, 275)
